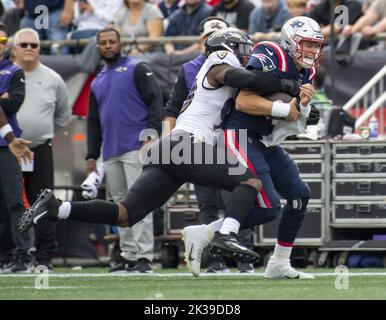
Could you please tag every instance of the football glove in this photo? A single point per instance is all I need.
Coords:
(314, 116)
(291, 87)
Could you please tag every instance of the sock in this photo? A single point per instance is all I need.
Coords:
(95, 211)
(64, 210)
(282, 252)
(242, 199)
(215, 225)
(230, 225)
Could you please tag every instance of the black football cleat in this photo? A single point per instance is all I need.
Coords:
(227, 245)
(45, 208)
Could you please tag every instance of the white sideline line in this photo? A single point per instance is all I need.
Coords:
(185, 274)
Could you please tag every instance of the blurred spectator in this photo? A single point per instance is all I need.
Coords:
(311, 4)
(235, 12)
(212, 3)
(167, 7)
(185, 22)
(2, 10)
(59, 18)
(366, 4)
(138, 18)
(8, 4)
(371, 23)
(117, 116)
(12, 17)
(270, 17)
(296, 8)
(12, 92)
(322, 14)
(90, 16)
(45, 110)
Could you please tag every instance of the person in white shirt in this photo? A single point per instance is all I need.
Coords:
(90, 16)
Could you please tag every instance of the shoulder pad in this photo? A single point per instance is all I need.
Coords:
(275, 52)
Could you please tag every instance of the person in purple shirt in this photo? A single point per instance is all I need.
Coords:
(17, 146)
(125, 99)
(12, 91)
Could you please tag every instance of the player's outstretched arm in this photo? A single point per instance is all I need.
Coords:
(251, 79)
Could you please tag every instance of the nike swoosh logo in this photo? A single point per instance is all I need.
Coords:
(190, 254)
(269, 52)
(149, 73)
(36, 219)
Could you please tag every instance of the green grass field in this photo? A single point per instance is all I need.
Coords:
(178, 284)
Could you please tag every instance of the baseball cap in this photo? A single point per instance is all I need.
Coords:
(211, 24)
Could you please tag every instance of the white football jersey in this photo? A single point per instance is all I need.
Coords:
(201, 112)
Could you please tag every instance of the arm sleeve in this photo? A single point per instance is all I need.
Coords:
(355, 11)
(243, 16)
(151, 94)
(177, 96)
(94, 131)
(252, 79)
(16, 93)
(63, 109)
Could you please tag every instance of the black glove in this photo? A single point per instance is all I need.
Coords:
(291, 87)
(314, 116)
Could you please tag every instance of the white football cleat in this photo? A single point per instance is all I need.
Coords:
(196, 238)
(281, 269)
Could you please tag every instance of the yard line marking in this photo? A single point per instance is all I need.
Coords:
(50, 287)
(182, 274)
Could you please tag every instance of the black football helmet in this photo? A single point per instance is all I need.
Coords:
(229, 39)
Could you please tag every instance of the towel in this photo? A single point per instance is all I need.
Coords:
(93, 182)
(283, 129)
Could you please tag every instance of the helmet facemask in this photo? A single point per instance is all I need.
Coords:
(306, 57)
(242, 50)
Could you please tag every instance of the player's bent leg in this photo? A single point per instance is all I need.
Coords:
(227, 245)
(225, 242)
(196, 239)
(297, 194)
(48, 208)
(45, 208)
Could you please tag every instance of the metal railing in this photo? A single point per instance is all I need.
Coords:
(370, 97)
(57, 44)
(153, 40)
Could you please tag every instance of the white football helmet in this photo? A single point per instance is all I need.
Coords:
(299, 29)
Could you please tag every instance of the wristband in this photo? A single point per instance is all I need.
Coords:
(4, 130)
(280, 109)
(305, 110)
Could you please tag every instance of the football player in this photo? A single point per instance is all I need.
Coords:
(295, 58)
